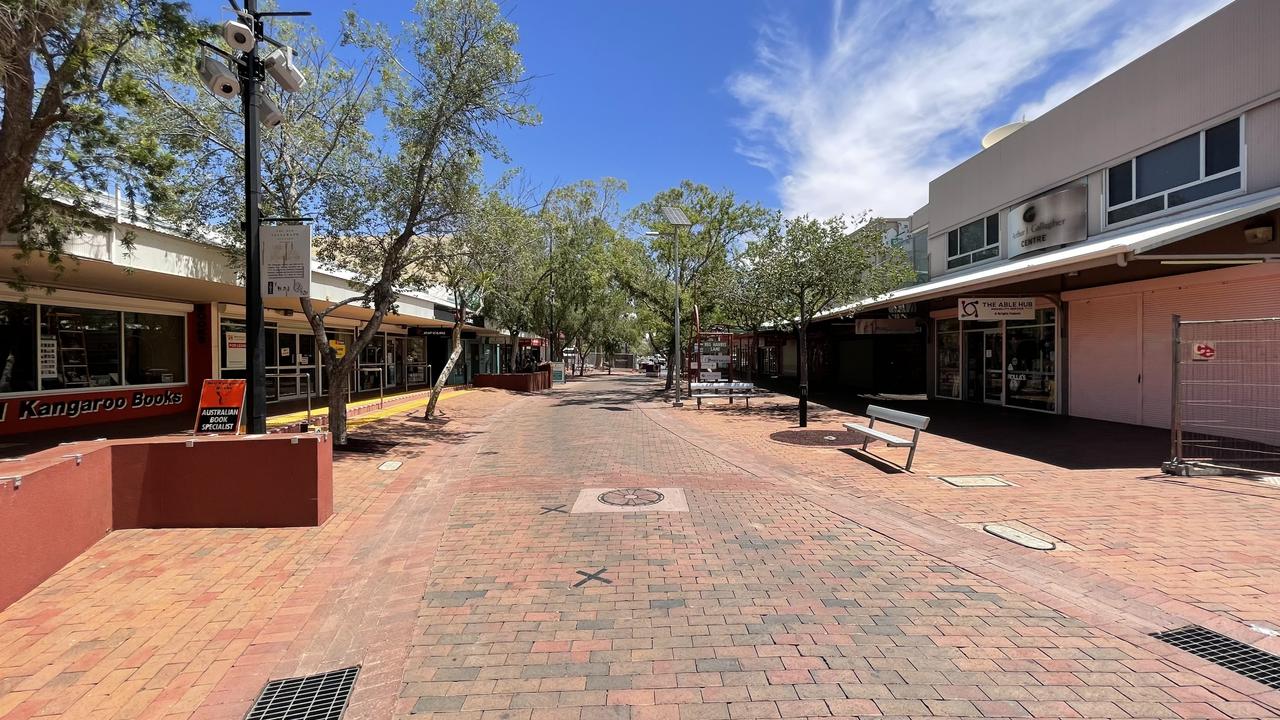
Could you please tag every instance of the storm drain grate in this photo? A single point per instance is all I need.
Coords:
(1229, 653)
(314, 697)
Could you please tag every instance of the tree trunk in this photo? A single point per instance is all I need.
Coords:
(803, 364)
(338, 405)
(671, 358)
(448, 366)
(515, 350)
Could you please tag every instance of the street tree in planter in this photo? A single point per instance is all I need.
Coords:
(805, 267)
(70, 85)
(448, 79)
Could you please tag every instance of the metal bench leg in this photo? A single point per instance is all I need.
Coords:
(915, 440)
(867, 438)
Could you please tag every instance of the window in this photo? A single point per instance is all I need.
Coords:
(948, 382)
(57, 347)
(1193, 168)
(1030, 377)
(87, 347)
(975, 242)
(153, 348)
(18, 348)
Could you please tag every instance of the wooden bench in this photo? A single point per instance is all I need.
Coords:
(731, 390)
(894, 417)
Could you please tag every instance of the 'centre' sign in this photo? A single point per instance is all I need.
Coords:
(1052, 220)
(1012, 308)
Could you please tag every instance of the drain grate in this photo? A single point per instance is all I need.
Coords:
(1227, 652)
(314, 697)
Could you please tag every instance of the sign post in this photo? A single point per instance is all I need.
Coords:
(221, 403)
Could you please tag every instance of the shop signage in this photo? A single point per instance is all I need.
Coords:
(1204, 352)
(39, 408)
(48, 358)
(1052, 220)
(286, 260)
(221, 402)
(557, 372)
(237, 341)
(339, 348)
(1011, 308)
(886, 326)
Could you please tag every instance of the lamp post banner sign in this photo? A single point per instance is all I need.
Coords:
(1011, 308)
(286, 260)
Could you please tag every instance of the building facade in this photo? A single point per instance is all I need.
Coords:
(1055, 258)
(130, 330)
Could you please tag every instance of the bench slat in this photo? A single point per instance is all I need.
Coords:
(890, 440)
(898, 417)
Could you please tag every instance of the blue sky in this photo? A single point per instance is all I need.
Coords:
(813, 106)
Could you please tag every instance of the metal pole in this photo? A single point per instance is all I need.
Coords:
(1175, 417)
(679, 367)
(255, 342)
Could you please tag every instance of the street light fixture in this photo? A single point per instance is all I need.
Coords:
(676, 218)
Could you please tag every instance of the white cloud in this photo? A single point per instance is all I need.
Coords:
(900, 92)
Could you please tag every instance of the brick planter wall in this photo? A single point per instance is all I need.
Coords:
(56, 503)
(519, 382)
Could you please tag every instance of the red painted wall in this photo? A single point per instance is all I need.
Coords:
(45, 412)
(61, 507)
(57, 511)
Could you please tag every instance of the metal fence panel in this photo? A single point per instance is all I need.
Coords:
(1226, 395)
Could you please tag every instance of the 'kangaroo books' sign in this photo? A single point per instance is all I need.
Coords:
(221, 402)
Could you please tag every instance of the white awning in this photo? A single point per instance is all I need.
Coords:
(1100, 249)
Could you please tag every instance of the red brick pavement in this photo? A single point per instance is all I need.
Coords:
(791, 588)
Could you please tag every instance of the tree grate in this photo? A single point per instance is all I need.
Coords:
(1226, 652)
(314, 697)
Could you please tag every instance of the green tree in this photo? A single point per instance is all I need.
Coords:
(721, 225)
(70, 74)
(803, 267)
(448, 79)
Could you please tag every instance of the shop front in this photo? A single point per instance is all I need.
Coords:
(76, 358)
(1009, 361)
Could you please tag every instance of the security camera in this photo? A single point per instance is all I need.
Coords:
(215, 76)
(269, 112)
(238, 35)
(280, 64)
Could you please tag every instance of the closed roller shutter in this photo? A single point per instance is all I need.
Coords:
(1104, 337)
(1254, 297)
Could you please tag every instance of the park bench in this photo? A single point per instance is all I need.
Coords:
(731, 390)
(893, 417)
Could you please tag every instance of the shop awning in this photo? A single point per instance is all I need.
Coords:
(1100, 249)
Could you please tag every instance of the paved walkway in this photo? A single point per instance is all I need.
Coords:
(800, 582)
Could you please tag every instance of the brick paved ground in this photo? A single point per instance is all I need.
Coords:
(800, 583)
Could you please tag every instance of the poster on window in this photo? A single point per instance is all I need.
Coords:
(221, 402)
(286, 260)
(237, 341)
(48, 358)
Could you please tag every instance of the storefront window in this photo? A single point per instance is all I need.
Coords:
(87, 346)
(153, 348)
(416, 360)
(18, 349)
(948, 385)
(1030, 378)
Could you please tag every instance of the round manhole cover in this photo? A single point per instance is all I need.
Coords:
(815, 438)
(631, 497)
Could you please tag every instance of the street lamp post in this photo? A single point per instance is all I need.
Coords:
(245, 34)
(676, 218)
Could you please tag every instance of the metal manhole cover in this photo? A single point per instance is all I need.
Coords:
(816, 438)
(631, 497)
